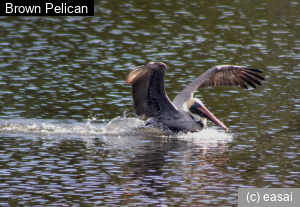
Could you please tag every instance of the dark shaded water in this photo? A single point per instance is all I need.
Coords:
(62, 81)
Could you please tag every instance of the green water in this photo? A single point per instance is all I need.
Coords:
(57, 73)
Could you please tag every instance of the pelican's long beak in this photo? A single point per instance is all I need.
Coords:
(209, 115)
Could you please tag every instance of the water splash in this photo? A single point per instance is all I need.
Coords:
(121, 126)
(208, 135)
(132, 126)
(47, 127)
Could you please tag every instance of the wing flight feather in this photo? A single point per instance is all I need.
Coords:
(223, 75)
(148, 90)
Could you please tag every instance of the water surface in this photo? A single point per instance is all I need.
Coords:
(62, 82)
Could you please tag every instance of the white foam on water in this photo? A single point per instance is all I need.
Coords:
(208, 135)
(131, 126)
(119, 126)
(49, 127)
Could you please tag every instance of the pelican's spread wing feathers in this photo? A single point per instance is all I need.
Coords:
(148, 90)
(223, 75)
(229, 75)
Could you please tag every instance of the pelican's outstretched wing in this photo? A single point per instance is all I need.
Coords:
(148, 90)
(223, 75)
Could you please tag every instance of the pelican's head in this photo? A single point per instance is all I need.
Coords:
(200, 113)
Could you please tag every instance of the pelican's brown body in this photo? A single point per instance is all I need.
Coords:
(185, 113)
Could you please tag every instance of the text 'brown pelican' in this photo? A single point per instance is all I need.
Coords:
(185, 113)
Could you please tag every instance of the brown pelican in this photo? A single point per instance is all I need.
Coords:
(185, 113)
